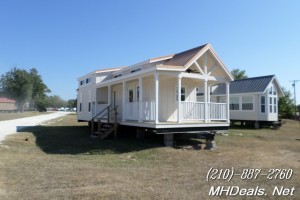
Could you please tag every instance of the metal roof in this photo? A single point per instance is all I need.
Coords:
(180, 59)
(6, 100)
(247, 85)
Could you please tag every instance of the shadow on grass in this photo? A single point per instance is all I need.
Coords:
(77, 140)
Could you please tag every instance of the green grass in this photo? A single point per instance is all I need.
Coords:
(61, 161)
(17, 115)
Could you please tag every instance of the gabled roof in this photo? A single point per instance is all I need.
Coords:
(247, 85)
(181, 59)
(6, 100)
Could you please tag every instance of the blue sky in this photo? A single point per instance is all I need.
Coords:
(65, 39)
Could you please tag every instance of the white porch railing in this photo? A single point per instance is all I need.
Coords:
(148, 107)
(148, 110)
(192, 110)
(195, 111)
(132, 110)
(217, 111)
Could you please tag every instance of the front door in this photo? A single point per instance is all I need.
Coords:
(117, 101)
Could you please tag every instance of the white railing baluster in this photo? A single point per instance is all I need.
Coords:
(195, 110)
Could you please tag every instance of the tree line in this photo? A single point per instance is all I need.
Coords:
(27, 87)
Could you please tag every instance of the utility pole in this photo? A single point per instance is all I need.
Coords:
(294, 85)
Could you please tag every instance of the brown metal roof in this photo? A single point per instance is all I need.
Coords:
(6, 100)
(181, 59)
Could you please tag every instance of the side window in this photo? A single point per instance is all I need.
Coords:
(234, 103)
(262, 104)
(80, 107)
(270, 90)
(89, 106)
(272, 99)
(275, 104)
(274, 91)
(271, 104)
(247, 103)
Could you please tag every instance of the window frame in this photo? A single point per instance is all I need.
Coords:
(230, 103)
(130, 99)
(262, 104)
(242, 103)
(176, 92)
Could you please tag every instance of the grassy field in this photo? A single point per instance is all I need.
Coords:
(60, 161)
(17, 115)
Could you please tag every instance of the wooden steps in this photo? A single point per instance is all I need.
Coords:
(100, 129)
(105, 130)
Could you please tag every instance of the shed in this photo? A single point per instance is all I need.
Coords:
(7, 104)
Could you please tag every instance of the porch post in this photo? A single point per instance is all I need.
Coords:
(140, 99)
(208, 101)
(205, 102)
(227, 102)
(156, 80)
(179, 99)
(124, 101)
(109, 94)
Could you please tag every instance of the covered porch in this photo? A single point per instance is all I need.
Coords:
(167, 93)
(155, 100)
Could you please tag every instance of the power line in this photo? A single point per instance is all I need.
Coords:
(294, 85)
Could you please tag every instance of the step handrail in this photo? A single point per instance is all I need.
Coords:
(108, 118)
(100, 112)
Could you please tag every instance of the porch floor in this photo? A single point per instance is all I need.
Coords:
(174, 124)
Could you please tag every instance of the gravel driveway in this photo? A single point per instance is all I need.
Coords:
(10, 126)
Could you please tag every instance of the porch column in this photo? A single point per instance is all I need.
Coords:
(205, 102)
(227, 102)
(179, 99)
(109, 94)
(208, 101)
(124, 101)
(156, 80)
(140, 99)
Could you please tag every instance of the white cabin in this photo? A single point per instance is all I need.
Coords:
(252, 99)
(146, 94)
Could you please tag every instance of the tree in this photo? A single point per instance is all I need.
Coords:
(286, 104)
(72, 103)
(239, 74)
(39, 90)
(56, 102)
(23, 87)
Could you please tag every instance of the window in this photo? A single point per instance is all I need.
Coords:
(130, 95)
(247, 103)
(81, 82)
(135, 70)
(262, 104)
(89, 106)
(273, 99)
(137, 93)
(234, 103)
(182, 94)
(88, 80)
(275, 104)
(80, 107)
(116, 76)
(274, 91)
